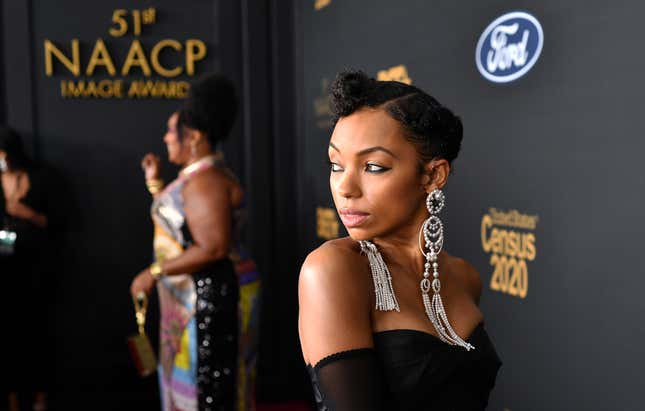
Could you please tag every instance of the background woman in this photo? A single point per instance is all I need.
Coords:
(26, 262)
(379, 328)
(207, 285)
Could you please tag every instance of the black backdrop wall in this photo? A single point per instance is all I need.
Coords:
(549, 164)
(96, 143)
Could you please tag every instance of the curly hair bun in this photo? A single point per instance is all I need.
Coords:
(433, 128)
(349, 91)
(211, 107)
(452, 132)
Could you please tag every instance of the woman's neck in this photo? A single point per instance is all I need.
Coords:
(403, 243)
(197, 157)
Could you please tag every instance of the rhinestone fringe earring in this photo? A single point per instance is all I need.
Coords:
(385, 298)
(432, 231)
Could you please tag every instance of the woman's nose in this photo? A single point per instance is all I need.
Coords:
(347, 185)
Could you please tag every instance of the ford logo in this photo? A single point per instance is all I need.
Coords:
(509, 47)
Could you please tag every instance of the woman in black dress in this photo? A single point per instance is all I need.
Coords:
(26, 232)
(388, 319)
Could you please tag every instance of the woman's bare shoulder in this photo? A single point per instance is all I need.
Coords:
(334, 300)
(467, 274)
(336, 263)
(206, 181)
(214, 182)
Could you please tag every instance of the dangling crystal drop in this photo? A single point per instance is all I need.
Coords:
(385, 298)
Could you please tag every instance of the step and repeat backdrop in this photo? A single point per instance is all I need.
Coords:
(547, 193)
(90, 86)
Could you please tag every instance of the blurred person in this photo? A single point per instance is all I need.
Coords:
(388, 319)
(27, 204)
(208, 287)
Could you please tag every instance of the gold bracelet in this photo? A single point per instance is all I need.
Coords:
(154, 185)
(156, 270)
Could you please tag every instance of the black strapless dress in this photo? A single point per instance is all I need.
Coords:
(408, 370)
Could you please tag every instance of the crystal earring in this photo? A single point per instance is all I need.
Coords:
(432, 231)
(385, 298)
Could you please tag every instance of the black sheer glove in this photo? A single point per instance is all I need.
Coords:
(349, 381)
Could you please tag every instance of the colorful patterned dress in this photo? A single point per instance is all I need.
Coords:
(209, 319)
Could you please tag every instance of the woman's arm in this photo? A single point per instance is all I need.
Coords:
(207, 204)
(20, 210)
(151, 166)
(336, 332)
(333, 294)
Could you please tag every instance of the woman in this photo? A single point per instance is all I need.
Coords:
(26, 208)
(379, 327)
(207, 285)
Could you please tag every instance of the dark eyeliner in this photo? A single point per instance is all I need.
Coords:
(380, 171)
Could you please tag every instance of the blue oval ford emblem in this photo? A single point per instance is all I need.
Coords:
(509, 47)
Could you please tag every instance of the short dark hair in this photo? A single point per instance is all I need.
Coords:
(211, 107)
(433, 129)
(11, 143)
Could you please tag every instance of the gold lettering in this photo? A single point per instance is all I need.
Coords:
(510, 249)
(140, 88)
(530, 246)
(320, 4)
(497, 240)
(523, 285)
(154, 58)
(100, 57)
(83, 89)
(326, 223)
(109, 88)
(158, 89)
(136, 57)
(70, 89)
(512, 243)
(73, 65)
(195, 51)
(149, 15)
(182, 89)
(118, 17)
(495, 280)
(514, 279)
(486, 224)
(396, 73)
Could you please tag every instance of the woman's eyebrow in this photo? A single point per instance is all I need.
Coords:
(367, 150)
(376, 148)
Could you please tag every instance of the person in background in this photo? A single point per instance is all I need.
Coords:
(208, 286)
(27, 228)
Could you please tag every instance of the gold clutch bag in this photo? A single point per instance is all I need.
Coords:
(139, 344)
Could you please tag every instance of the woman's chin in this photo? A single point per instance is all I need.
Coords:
(173, 159)
(359, 234)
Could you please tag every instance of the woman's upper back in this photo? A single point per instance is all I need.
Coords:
(204, 192)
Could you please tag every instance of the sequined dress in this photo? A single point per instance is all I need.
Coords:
(209, 318)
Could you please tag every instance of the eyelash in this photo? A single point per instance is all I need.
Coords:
(380, 169)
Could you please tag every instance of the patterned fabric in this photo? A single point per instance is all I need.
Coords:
(209, 320)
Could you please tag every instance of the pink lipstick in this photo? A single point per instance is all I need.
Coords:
(352, 218)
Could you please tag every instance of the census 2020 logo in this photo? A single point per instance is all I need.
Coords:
(509, 47)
